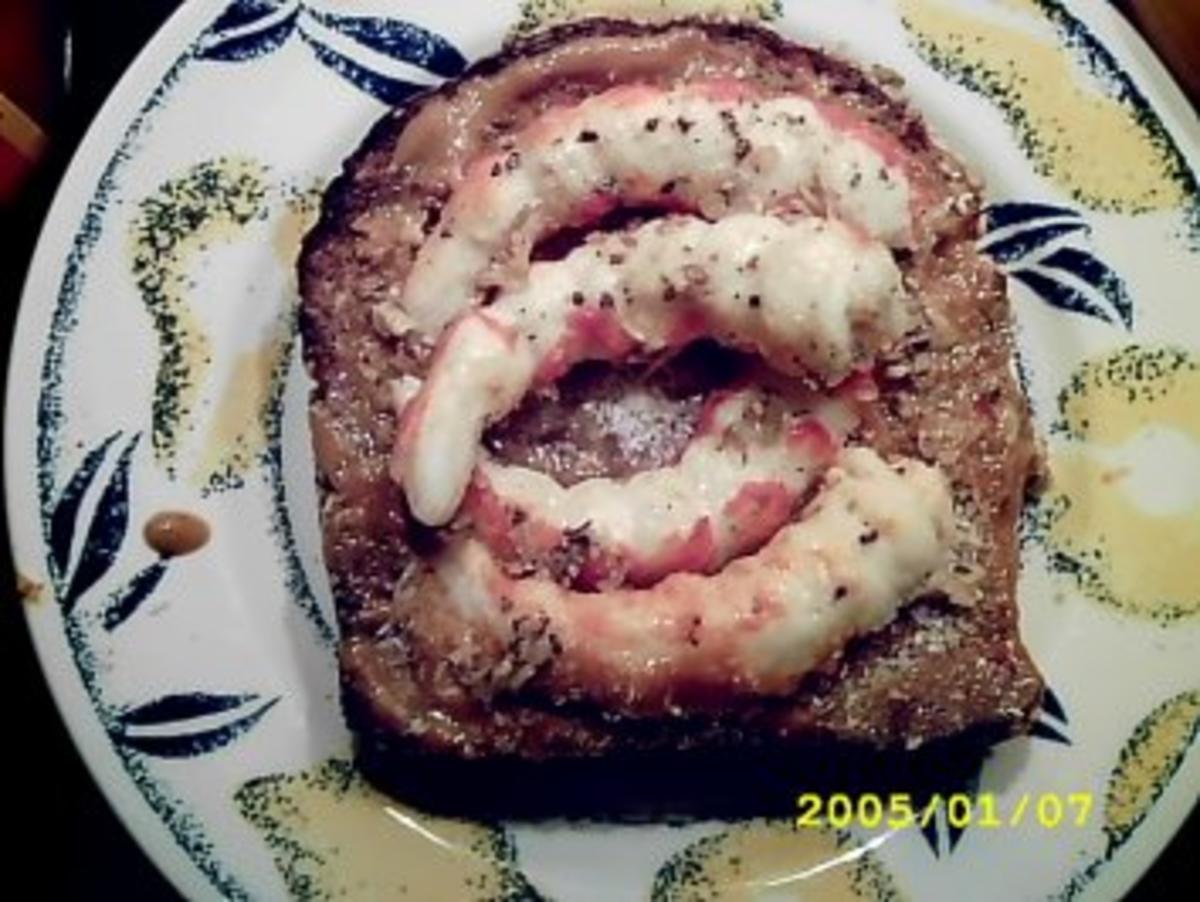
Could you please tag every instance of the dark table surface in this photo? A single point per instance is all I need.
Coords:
(66, 843)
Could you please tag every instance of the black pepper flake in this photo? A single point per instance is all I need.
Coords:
(668, 187)
(670, 292)
(587, 136)
(685, 125)
(607, 301)
(869, 537)
(616, 259)
(496, 170)
(652, 124)
(856, 179)
(755, 301)
(513, 161)
(577, 299)
(840, 592)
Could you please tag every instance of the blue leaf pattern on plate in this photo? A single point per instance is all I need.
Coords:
(246, 30)
(1022, 244)
(1030, 242)
(249, 29)
(1060, 295)
(201, 723)
(173, 708)
(1042, 730)
(1052, 710)
(242, 13)
(66, 511)
(124, 603)
(930, 803)
(173, 726)
(999, 216)
(1084, 266)
(382, 87)
(249, 45)
(1052, 706)
(399, 40)
(106, 531)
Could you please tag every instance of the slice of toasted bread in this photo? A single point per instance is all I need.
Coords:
(951, 663)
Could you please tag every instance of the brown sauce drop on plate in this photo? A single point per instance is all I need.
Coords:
(176, 533)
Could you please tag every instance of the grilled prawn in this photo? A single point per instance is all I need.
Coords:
(740, 479)
(714, 148)
(870, 540)
(811, 296)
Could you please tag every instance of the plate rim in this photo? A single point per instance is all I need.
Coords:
(72, 197)
(105, 134)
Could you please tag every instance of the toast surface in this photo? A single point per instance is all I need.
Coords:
(951, 662)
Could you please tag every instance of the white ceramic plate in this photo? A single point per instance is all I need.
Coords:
(155, 370)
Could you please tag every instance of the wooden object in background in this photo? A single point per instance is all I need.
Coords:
(27, 90)
(1172, 29)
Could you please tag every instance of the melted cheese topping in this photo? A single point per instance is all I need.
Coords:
(867, 543)
(736, 484)
(712, 147)
(811, 296)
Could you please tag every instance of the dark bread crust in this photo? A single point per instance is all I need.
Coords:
(942, 668)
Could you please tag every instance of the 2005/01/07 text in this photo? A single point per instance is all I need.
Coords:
(898, 810)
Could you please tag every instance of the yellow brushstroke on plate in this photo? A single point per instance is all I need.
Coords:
(1142, 562)
(1112, 398)
(237, 431)
(299, 216)
(1147, 763)
(1145, 564)
(538, 14)
(773, 860)
(210, 203)
(1076, 132)
(332, 836)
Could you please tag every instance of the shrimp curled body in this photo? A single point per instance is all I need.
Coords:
(739, 480)
(713, 147)
(864, 546)
(811, 296)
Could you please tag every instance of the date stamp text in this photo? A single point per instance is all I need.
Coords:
(1049, 810)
